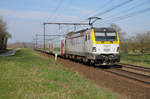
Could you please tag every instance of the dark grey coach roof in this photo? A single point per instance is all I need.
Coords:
(80, 31)
(95, 29)
(104, 29)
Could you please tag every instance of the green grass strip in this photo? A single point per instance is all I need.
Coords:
(30, 75)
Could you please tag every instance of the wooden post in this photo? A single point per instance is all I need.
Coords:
(55, 58)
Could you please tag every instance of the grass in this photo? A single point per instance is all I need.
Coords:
(135, 59)
(30, 75)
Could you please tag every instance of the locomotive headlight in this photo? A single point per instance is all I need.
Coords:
(94, 49)
(118, 49)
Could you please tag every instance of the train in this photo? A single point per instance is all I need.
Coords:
(91, 45)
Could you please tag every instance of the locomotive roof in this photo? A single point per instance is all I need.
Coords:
(80, 31)
(104, 29)
(95, 29)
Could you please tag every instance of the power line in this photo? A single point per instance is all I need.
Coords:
(129, 9)
(95, 11)
(114, 7)
(129, 15)
(55, 16)
(56, 9)
(102, 7)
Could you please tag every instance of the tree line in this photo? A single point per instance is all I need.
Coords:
(138, 43)
(4, 35)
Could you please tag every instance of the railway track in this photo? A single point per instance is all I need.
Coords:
(130, 75)
(137, 73)
(133, 68)
(132, 72)
(134, 87)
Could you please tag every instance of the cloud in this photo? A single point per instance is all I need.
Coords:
(21, 24)
(36, 15)
(24, 14)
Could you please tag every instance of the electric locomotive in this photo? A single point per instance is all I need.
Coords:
(94, 45)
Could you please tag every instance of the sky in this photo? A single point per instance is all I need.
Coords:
(25, 17)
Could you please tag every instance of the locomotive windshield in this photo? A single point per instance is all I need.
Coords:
(105, 36)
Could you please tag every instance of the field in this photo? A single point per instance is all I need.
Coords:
(136, 59)
(30, 75)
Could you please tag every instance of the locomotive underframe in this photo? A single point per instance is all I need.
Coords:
(95, 59)
(107, 58)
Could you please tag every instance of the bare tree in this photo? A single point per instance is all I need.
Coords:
(120, 32)
(143, 43)
(4, 35)
(142, 40)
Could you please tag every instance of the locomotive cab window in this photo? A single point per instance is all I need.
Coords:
(100, 36)
(105, 36)
(111, 36)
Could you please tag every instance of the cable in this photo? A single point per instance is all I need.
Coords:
(129, 15)
(114, 7)
(58, 6)
(102, 7)
(130, 9)
(64, 8)
(95, 11)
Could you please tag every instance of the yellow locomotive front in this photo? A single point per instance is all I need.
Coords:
(105, 45)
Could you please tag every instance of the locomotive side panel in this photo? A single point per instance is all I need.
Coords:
(75, 45)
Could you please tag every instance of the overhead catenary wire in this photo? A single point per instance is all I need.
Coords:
(113, 8)
(95, 11)
(125, 16)
(101, 7)
(55, 10)
(129, 15)
(129, 9)
(58, 14)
